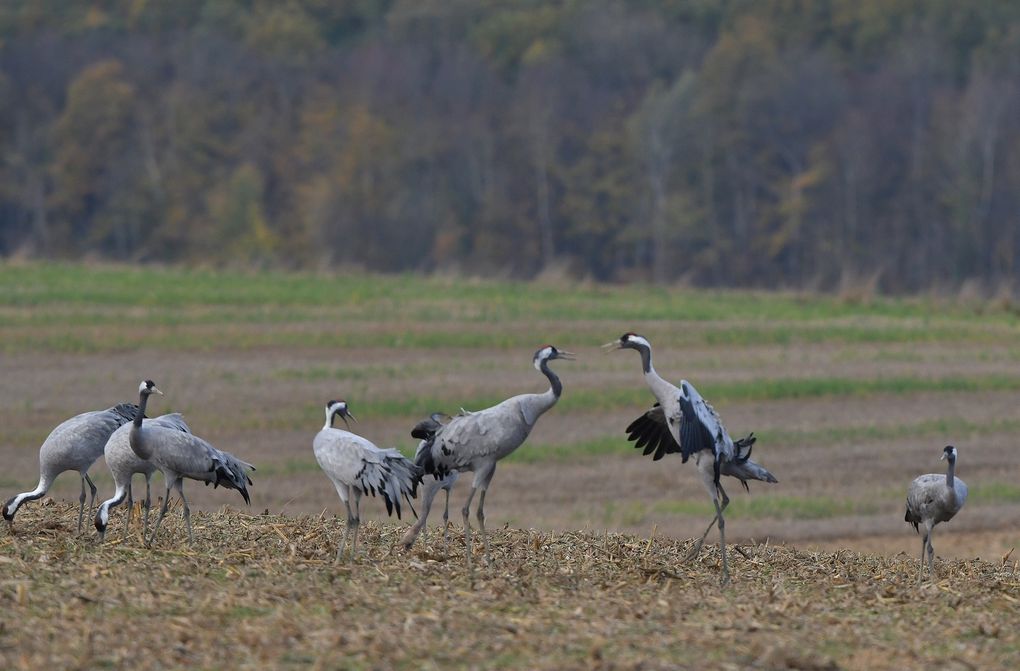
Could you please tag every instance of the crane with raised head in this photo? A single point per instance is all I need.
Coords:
(934, 498)
(476, 441)
(682, 421)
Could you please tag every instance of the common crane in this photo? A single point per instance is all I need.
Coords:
(425, 430)
(934, 498)
(179, 455)
(682, 421)
(123, 464)
(74, 445)
(475, 441)
(356, 466)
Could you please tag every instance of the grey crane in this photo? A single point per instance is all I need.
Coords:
(179, 455)
(475, 441)
(934, 498)
(682, 421)
(426, 430)
(123, 464)
(357, 466)
(74, 445)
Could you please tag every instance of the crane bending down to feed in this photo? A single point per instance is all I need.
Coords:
(123, 464)
(179, 455)
(934, 498)
(475, 441)
(425, 431)
(356, 466)
(74, 445)
(682, 421)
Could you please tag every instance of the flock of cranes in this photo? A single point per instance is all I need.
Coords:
(680, 421)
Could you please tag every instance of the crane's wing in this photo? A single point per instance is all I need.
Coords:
(651, 431)
(700, 427)
(196, 459)
(80, 440)
(349, 459)
(124, 411)
(173, 420)
(477, 435)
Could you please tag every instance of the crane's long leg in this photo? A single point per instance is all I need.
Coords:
(920, 565)
(431, 488)
(159, 518)
(148, 504)
(81, 502)
(467, 527)
(931, 554)
(480, 514)
(356, 495)
(722, 542)
(187, 511)
(130, 507)
(347, 529)
(92, 500)
(696, 550)
(446, 524)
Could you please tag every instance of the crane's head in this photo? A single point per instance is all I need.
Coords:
(9, 510)
(629, 341)
(338, 407)
(147, 388)
(102, 520)
(548, 353)
(949, 452)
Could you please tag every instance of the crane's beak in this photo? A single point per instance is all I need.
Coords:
(345, 414)
(943, 457)
(569, 356)
(156, 391)
(612, 346)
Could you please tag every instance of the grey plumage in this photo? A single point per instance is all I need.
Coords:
(476, 441)
(682, 421)
(425, 430)
(934, 498)
(124, 464)
(179, 455)
(74, 445)
(356, 466)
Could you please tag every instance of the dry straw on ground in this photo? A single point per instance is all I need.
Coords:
(263, 592)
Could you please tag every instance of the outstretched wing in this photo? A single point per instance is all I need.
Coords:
(651, 432)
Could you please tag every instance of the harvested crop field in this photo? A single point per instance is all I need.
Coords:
(263, 592)
(850, 401)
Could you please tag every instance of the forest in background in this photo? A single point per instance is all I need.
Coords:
(764, 143)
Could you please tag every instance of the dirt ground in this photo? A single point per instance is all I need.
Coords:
(263, 591)
(265, 404)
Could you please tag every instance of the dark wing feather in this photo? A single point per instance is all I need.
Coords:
(651, 432)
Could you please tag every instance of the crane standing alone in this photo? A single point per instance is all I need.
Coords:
(682, 421)
(74, 445)
(934, 498)
(123, 464)
(178, 455)
(356, 466)
(475, 441)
